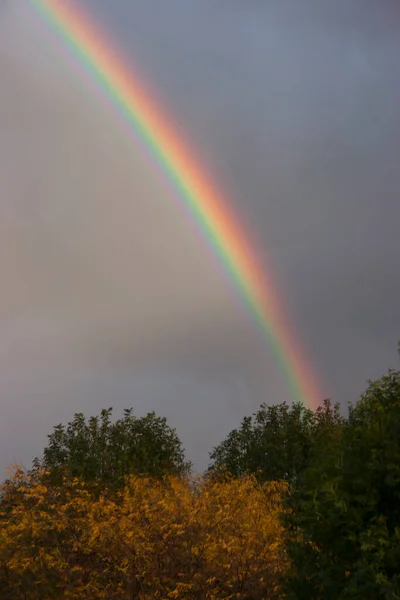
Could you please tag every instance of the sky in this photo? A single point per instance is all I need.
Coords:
(110, 297)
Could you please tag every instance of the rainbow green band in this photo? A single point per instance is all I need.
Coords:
(196, 192)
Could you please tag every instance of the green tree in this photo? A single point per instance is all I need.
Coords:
(101, 451)
(276, 442)
(345, 517)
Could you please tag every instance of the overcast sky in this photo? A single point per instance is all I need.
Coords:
(109, 297)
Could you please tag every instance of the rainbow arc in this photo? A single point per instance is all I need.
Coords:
(197, 194)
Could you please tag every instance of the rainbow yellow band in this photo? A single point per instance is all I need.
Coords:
(197, 193)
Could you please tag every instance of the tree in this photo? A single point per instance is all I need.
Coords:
(152, 539)
(275, 443)
(104, 452)
(345, 511)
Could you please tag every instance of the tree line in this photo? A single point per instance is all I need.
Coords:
(296, 504)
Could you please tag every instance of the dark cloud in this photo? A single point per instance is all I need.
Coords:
(108, 294)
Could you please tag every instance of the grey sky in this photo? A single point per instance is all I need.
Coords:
(109, 297)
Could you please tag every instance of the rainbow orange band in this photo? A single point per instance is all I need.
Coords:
(197, 193)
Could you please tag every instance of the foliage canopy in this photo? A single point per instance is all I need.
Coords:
(345, 511)
(103, 452)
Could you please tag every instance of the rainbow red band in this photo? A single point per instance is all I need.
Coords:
(198, 195)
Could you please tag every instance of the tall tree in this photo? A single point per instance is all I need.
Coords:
(102, 451)
(276, 442)
(345, 511)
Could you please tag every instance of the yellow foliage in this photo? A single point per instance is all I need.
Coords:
(155, 539)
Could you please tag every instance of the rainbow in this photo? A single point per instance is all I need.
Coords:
(195, 190)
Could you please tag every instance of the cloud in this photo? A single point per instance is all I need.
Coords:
(109, 293)
(105, 277)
